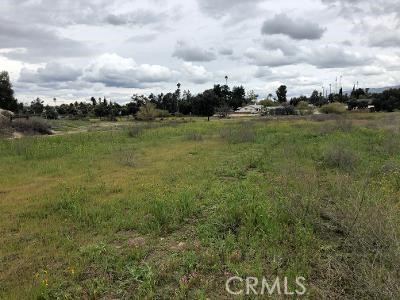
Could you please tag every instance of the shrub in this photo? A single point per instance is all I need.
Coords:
(148, 112)
(32, 125)
(5, 126)
(160, 113)
(339, 157)
(333, 108)
(304, 108)
(284, 110)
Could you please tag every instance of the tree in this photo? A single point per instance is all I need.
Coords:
(238, 97)
(357, 93)
(204, 104)
(170, 102)
(50, 113)
(316, 98)
(267, 102)
(37, 106)
(7, 100)
(294, 101)
(93, 100)
(251, 97)
(185, 105)
(389, 100)
(281, 93)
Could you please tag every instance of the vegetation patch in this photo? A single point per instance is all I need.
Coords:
(338, 156)
(31, 126)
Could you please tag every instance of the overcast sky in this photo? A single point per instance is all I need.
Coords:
(75, 49)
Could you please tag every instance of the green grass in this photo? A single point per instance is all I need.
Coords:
(174, 209)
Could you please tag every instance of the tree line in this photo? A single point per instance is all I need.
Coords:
(220, 99)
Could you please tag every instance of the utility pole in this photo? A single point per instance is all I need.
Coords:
(336, 91)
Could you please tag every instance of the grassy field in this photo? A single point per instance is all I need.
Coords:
(170, 210)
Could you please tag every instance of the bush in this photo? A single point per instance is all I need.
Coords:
(5, 126)
(32, 125)
(339, 157)
(284, 110)
(148, 112)
(333, 108)
(304, 108)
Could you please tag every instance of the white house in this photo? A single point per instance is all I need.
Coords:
(250, 109)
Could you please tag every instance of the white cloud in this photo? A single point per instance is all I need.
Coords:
(116, 71)
(196, 74)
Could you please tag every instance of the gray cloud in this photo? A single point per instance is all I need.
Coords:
(110, 70)
(384, 37)
(323, 57)
(139, 17)
(66, 12)
(235, 10)
(141, 38)
(276, 58)
(355, 9)
(226, 51)
(287, 46)
(35, 43)
(52, 72)
(192, 53)
(326, 57)
(271, 74)
(298, 29)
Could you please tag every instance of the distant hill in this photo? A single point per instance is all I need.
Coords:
(380, 90)
(376, 90)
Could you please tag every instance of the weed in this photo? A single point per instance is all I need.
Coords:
(339, 157)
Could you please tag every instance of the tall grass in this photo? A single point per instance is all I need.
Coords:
(273, 199)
